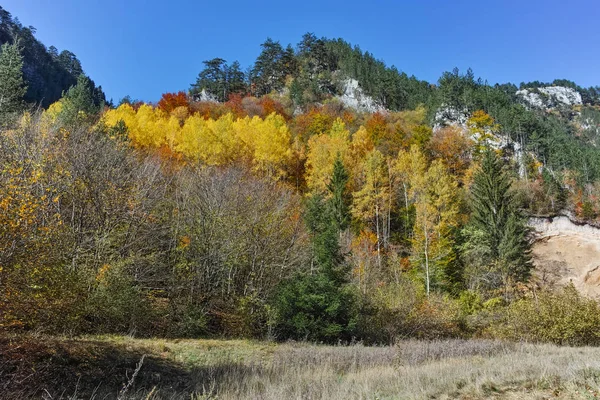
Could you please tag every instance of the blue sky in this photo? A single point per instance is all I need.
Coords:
(145, 48)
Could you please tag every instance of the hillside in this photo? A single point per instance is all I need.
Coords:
(320, 196)
(47, 72)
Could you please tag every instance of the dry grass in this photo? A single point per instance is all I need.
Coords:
(98, 367)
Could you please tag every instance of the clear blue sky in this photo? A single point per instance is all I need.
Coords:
(147, 47)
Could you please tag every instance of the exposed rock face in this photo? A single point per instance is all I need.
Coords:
(355, 98)
(547, 227)
(590, 128)
(550, 97)
(206, 96)
(567, 252)
(450, 116)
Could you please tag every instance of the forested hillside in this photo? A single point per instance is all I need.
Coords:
(47, 71)
(276, 204)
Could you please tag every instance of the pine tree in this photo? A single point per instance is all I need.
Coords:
(269, 71)
(321, 305)
(12, 85)
(497, 233)
(236, 79)
(322, 224)
(340, 199)
(213, 79)
(81, 101)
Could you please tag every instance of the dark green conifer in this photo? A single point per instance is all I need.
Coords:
(498, 232)
(12, 85)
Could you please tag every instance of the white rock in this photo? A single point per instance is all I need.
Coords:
(354, 97)
(550, 97)
(206, 96)
(450, 116)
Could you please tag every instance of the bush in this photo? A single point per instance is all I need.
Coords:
(116, 304)
(439, 316)
(402, 310)
(564, 318)
(386, 313)
(244, 317)
(470, 302)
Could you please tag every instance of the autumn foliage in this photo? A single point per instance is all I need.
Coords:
(170, 101)
(190, 218)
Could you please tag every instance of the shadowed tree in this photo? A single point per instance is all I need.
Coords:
(12, 85)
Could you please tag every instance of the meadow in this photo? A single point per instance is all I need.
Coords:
(121, 367)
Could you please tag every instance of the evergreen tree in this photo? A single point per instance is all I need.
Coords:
(269, 71)
(213, 79)
(340, 199)
(497, 242)
(236, 79)
(69, 61)
(220, 80)
(321, 305)
(321, 221)
(12, 86)
(81, 102)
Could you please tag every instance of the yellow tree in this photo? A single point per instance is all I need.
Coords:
(409, 127)
(267, 143)
(323, 150)
(436, 213)
(30, 223)
(409, 169)
(148, 127)
(483, 129)
(361, 145)
(372, 200)
(212, 142)
(452, 145)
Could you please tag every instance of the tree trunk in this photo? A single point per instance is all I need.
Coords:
(378, 237)
(426, 259)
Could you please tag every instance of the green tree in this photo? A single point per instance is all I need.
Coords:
(220, 80)
(213, 79)
(436, 215)
(320, 305)
(269, 71)
(340, 199)
(12, 85)
(497, 246)
(325, 238)
(81, 102)
(236, 79)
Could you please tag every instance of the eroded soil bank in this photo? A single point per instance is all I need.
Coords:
(566, 251)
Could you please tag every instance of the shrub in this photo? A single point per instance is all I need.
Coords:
(247, 317)
(439, 316)
(564, 318)
(386, 313)
(191, 321)
(470, 302)
(402, 310)
(116, 303)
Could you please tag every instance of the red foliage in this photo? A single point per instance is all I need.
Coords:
(272, 106)
(136, 105)
(236, 106)
(314, 122)
(170, 101)
(208, 109)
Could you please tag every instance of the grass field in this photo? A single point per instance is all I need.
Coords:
(105, 368)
